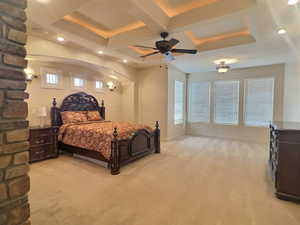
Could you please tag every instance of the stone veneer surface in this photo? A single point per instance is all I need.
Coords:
(14, 180)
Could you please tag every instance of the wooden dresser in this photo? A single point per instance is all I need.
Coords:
(285, 159)
(43, 143)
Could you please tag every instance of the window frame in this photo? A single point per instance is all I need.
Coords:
(45, 71)
(179, 122)
(98, 89)
(78, 76)
(54, 76)
(237, 123)
(245, 101)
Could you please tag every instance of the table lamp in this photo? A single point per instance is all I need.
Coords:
(42, 113)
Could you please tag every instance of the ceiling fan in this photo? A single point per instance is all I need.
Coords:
(166, 48)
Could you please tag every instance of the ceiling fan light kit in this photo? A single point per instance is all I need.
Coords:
(223, 68)
(166, 47)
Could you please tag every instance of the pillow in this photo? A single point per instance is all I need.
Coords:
(93, 116)
(73, 117)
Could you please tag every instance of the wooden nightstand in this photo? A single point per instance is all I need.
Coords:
(43, 143)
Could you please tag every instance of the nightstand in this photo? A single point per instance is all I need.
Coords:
(43, 143)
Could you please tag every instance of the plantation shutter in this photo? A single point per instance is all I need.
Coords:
(199, 102)
(179, 102)
(227, 102)
(259, 101)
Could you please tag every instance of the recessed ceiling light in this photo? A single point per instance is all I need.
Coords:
(293, 2)
(226, 61)
(125, 60)
(100, 52)
(61, 39)
(281, 31)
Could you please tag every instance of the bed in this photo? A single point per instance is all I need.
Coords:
(114, 143)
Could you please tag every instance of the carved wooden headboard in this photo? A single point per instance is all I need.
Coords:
(80, 101)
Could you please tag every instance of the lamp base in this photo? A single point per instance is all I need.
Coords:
(42, 122)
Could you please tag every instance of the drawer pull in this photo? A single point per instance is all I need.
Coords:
(40, 141)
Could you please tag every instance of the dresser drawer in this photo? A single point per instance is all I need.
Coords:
(289, 137)
(42, 152)
(41, 136)
(43, 143)
(42, 131)
(41, 140)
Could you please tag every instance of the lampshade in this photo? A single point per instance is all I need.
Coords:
(42, 111)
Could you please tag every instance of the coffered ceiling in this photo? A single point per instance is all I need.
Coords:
(217, 28)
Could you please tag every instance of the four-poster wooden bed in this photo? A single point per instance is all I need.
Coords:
(140, 143)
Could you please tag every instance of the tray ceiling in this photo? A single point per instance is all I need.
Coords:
(114, 26)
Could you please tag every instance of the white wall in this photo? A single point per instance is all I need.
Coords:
(128, 108)
(241, 132)
(292, 91)
(120, 104)
(114, 101)
(37, 47)
(153, 97)
(178, 129)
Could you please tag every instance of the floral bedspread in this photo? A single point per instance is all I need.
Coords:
(98, 135)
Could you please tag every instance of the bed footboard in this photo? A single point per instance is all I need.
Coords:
(140, 144)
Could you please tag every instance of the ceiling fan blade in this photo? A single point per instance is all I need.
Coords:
(173, 42)
(188, 51)
(141, 46)
(169, 57)
(152, 53)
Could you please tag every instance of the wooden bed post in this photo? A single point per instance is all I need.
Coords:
(115, 154)
(54, 113)
(157, 138)
(102, 110)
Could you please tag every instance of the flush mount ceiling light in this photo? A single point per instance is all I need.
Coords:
(293, 2)
(226, 61)
(125, 60)
(222, 67)
(281, 31)
(61, 39)
(100, 52)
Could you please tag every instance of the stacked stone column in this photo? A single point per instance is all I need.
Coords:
(14, 180)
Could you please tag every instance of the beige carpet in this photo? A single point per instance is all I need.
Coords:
(194, 181)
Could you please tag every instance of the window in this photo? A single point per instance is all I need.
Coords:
(199, 102)
(98, 84)
(179, 102)
(226, 102)
(78, 82)
(259, 101)
(51, 78)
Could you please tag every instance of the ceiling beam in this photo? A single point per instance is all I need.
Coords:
(54, 10)
(224, 40)
(150, 13)
(195, 16)
(101, 32)
(131, 38)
